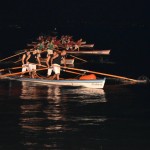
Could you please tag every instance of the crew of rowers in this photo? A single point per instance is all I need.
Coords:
(65, 42)
(31, 59)
(54, 56)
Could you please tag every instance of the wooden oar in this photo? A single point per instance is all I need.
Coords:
(78, 58)
(71, 72)
(17, 61)
(19, 73)
(11, 68)
(105, 74)
(11, 56)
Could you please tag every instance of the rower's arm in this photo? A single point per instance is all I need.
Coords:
(51, 61)
(23, 57)
(53, 58)
(28, 58)
(64, 60)
(38, 59)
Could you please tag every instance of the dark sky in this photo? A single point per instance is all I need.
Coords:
(86, 18)
(65, 11)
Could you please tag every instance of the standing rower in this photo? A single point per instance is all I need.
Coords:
(50, 47)
(56, 61)
(40, 48)
(24, 61)
(32, 61)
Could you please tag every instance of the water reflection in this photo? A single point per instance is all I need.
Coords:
(43, 101)
(47, 112)
(87, 95)
(34, 91)
(31, 91)
(41, 113)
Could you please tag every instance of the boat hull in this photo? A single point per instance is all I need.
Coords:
(94, 52)
(98, 83)
(69, 61)
(87, 46)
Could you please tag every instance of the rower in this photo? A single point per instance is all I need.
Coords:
(32, 61)
(40, 47)
(69, 45)
(78, 44)
(24, 62)
(50, 47)
(56, 61)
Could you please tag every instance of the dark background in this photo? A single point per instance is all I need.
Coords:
(85, 11)
(122, 26)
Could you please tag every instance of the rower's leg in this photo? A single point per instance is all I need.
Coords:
(32, 74)
(23, 70)
(49, 72)
(33, 70)
(47, 60)
(54, 76)
(30, 70)
(57, 76)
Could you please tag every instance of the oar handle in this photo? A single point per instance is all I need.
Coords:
(11, 56)
(10, 68)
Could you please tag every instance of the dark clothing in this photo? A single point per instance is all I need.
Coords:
(57, 60)
(33, 58)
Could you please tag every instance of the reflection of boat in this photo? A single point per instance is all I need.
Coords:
(98, 83)
(31, 118)
(31, 91)
(88, 95)
(88, 91)
(53, 111)
(93, 52)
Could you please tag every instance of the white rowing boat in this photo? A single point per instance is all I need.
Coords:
(87, 46)
(98, 83)
(69, 61)
(94, 52)
(83, 43)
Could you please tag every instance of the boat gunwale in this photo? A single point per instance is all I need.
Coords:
(96, 83)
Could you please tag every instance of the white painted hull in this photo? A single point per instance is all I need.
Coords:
(84, 42)
(69, 61)
(99, 83)
(95, 52)
(87, 45)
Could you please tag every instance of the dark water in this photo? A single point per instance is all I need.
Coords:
(36, 116)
